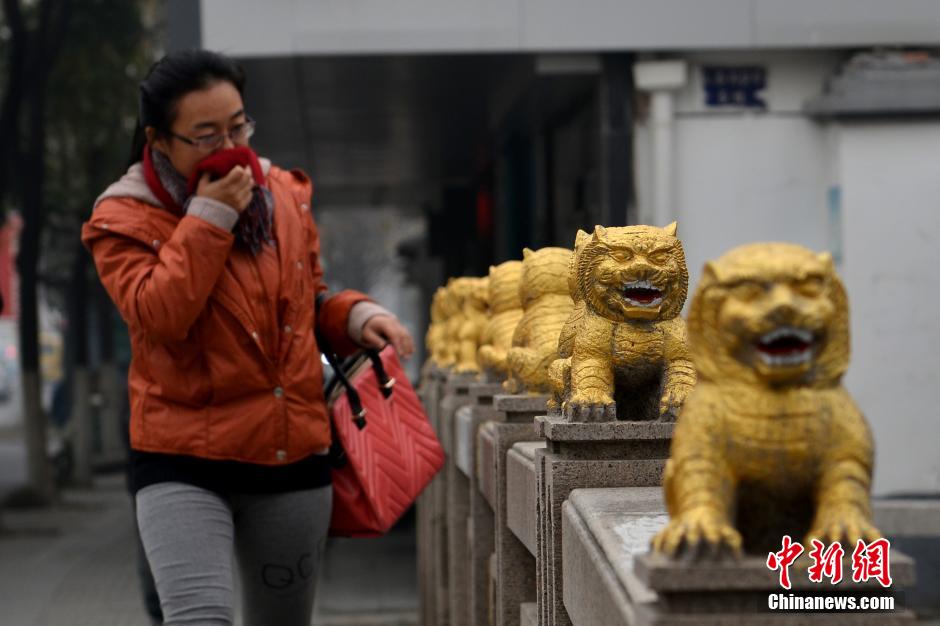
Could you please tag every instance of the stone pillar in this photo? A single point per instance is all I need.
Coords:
(515, 565)
(459, 468)
(578, 455)
(430, 392)
(521, 504)
(456, 393)
(480, 536)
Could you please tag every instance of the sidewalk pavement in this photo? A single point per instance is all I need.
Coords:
(75, 565)
(71, 564)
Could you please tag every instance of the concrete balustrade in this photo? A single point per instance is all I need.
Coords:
(521, 492)
(602, 532)
(538, 521)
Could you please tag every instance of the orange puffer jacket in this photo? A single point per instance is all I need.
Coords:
(203, 381)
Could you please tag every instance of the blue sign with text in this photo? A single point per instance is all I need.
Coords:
(734, 85)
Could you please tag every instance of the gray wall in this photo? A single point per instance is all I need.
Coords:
(279, 27)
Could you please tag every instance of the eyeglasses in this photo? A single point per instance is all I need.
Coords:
(207, 143)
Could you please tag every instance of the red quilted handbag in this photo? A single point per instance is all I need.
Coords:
(384, 450)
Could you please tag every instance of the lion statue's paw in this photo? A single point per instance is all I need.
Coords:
(590, 406)
(698, 532)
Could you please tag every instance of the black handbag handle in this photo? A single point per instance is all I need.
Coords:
(386, 382)
(355, 403)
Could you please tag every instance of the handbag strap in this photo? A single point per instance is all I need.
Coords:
(386, 382)
(355, 403)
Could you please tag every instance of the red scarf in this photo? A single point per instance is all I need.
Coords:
(220, 163)
(254, 223)
(153, 181)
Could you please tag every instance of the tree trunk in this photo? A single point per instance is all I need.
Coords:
(45, 43)
(34, 420)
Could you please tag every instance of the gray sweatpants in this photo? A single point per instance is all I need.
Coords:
(190, 534)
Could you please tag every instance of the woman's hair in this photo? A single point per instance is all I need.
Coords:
(171, 78)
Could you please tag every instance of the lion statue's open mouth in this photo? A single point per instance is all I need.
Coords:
(785, 346)
(643, 293)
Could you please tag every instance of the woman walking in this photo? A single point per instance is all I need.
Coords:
(211, 255)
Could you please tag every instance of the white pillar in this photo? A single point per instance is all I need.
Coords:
(661, 79)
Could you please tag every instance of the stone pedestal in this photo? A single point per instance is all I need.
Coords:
(579, 455)
(737, 592)
(515, 566)
(611, 578)
(466, 420)
(430, 391)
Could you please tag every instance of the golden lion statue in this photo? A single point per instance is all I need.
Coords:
(546, 305)
(505, 311)
(434, 338)
(769, 443)
(624, 352)
(457, 291)
(474, 320)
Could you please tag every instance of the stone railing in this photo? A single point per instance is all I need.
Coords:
(535, 520)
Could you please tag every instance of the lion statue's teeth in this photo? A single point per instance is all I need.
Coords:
(794, 358)
(656, 301)
(786, 332)
(786, 346)
(649, 295)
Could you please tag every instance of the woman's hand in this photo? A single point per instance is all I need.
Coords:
(234, 189)
(383, 329)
